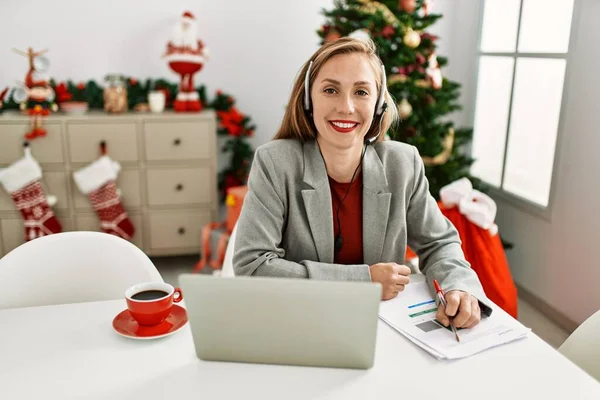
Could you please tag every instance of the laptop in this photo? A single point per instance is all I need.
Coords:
(282, 321)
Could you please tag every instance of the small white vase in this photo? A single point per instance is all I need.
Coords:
(156, 101)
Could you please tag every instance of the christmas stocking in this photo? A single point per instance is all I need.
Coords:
(22, 181)
(97, 181)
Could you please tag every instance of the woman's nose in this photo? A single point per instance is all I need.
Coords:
(345, 105)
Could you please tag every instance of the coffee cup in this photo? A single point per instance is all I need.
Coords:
(150, 303)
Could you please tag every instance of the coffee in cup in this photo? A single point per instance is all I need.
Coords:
(150, 303)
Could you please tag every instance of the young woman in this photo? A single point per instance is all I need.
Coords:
(329, 199)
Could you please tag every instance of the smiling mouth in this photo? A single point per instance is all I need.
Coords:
(343, 126)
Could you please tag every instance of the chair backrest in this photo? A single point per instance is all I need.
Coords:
(72, 267)
(583, 346)
(227, 269)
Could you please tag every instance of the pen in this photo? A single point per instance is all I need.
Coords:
(440, 293)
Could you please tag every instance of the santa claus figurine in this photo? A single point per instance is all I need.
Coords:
(186, 55)
(434, 73)
(37, 96)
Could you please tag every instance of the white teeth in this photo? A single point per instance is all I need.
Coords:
(344, 125)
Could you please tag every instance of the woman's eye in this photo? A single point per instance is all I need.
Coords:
(329, 90)
(362, 93)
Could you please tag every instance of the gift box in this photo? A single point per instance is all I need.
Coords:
(234, 202)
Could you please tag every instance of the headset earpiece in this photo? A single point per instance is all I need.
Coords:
(381, 104)
(307, 88)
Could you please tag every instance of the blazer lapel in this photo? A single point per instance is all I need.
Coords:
(376, 207)
(317, 201)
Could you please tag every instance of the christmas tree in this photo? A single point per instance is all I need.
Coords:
(414, 77)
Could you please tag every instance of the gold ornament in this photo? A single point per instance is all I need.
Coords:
(445, 154)
(396, 78)
(371, 7)
(412, 38)
(404, 109)
(422, 83)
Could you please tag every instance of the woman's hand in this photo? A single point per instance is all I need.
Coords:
(393, 277)
(463, 307)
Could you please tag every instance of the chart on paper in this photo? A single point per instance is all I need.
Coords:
(413, 313)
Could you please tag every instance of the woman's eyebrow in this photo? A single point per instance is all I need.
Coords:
(357, 83)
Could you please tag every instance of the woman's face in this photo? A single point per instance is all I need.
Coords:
(344, 96)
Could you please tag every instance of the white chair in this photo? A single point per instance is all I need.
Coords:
(72, 267)
(583, 346)
(227, 269)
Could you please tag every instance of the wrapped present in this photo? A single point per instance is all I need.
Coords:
(234, 201)
(215, 238)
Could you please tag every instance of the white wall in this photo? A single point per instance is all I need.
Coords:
(257, 49)
(257, 46)
(556, 259)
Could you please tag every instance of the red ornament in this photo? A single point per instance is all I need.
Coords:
(388, 31)
(332, 36)
(411, 131)
(132, 81)
(408, 6)
(81, 86)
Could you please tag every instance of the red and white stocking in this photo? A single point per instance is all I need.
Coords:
(97, 181)
(22, 181)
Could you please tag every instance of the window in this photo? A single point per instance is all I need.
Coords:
(522, 61)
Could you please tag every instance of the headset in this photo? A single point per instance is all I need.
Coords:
(379, 112)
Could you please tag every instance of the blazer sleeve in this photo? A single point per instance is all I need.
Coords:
(437, 243)
(260, 227)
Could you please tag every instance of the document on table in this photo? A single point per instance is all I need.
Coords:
(412, 313)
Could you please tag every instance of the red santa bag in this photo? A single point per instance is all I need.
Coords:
(486, 255)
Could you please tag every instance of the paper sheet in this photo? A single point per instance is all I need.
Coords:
(413, 311)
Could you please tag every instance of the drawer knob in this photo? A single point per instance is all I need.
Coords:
(181, 231)
(179, 187)
(177, 142)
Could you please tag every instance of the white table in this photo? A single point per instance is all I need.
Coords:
(71, 352)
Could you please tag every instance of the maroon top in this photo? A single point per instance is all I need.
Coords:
(350, 220)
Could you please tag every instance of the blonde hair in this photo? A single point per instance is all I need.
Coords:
(298, 123)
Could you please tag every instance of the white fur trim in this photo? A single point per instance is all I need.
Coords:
(476, 206)
(20, 173)
(187, 96)
(187, 19)
(97, 174)
(185, 57)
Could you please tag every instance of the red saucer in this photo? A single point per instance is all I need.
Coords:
(125, 325)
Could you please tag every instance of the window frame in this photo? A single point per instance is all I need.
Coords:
(520, 202)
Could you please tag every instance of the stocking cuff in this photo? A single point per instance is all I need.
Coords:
(97, 174)
(21, 173)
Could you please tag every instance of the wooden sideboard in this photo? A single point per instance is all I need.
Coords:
(168, 178)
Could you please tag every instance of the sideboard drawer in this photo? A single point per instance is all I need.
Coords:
(54, 183)
(13, 231)
(90, 222)
(177, 229)
(47, 149)
(128, 182)
(179, 140)
(84, 141)
(179, 186)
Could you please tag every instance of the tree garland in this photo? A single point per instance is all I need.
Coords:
(232, 124)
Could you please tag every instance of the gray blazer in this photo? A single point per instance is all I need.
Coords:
(285, 228)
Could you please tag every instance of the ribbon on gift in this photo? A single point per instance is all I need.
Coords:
(476, 206)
